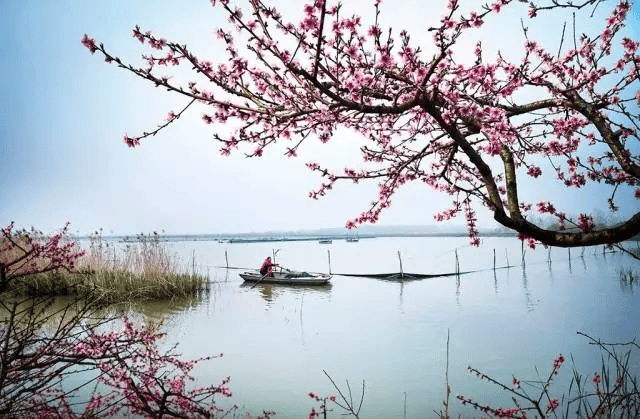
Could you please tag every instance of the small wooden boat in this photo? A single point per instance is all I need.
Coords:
(287, 277)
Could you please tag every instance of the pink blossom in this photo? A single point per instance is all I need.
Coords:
(176, 384)
(309, 9)
(374, 31)
(131, 141)
(507, 412)
(596, 379)
(352, 51)
(515, 382)
(291, 152)
(552, 405)
(352, 24)
(576, 181)
(94, 403)
(478, 49)
(313, 165)
(530, 46)
(138, 35)
(585, 222)
(534, 171)
(90, 43)
(545, 207)
(385, 61)
(157, 43)
(493, 148)
(561, 219)
(557, 363)
(448, 23)
(309, 23)
(531, 242)
(476, 21)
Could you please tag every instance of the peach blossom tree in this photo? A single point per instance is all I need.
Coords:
(47, 350)
(50, 359)
(474, 131)
(24, 253)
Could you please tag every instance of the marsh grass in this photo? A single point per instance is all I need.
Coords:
(140, 269)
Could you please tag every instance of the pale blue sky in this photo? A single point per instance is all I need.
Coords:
(64, 113)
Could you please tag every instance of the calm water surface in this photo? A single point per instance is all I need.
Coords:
(278, 340)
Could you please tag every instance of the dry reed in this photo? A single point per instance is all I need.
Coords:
(141, 269)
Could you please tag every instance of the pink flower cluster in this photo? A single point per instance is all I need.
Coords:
(137, 377)
(520, 396)
(29, 252)
(90, 43)
(147, 381)
(131, 141)
(557, 363)
(313, 413)
(552, 405)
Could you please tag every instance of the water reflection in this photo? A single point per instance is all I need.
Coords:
(531, 305)
(165, 308)
(279, 337)
(628, 280)
(269, 292)
(569, 249)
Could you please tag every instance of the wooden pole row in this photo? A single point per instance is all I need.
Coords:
(494, 259)
(457, 258)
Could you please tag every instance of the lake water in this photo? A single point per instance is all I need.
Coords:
(278, 340)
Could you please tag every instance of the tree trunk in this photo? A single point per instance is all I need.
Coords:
(3, 278)
(606, 236)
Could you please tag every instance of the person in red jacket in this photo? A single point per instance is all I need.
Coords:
(266, 269)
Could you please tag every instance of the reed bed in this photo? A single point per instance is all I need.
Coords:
(141, 269)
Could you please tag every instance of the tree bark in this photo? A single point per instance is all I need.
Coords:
(608, 235)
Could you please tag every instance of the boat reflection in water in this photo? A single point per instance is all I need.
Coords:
(269, 292)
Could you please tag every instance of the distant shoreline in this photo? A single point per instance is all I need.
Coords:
(298, 236)
(287, 237)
